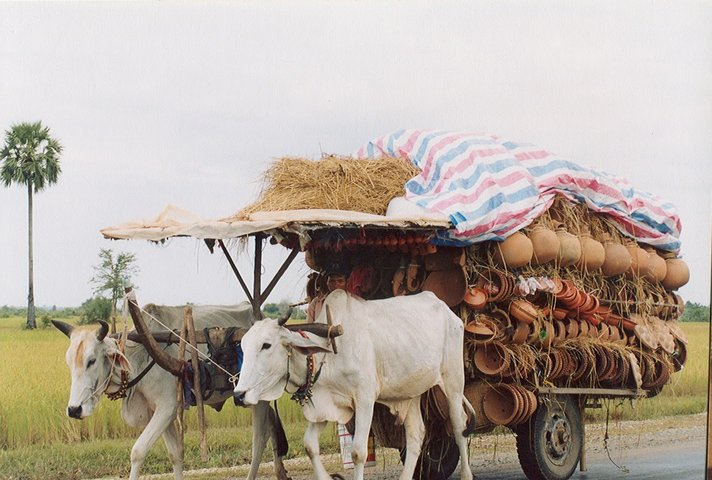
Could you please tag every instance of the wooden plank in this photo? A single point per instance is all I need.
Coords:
(320, 329)
(608, 392)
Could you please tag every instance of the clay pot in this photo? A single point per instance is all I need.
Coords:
(639, 262)
(617, 259)
(523, 310)
(569, 248)
(545, 243)
(520, 334)
(496, 284)
(514, 252)
(449, 286)
(646, 336)
(592, 253)
(500, 405)
(572, 329)
(475, 298)
(680, 356)
(481, 331)
(475, 392)
(678, 273)
(492, 359)
(657, 267)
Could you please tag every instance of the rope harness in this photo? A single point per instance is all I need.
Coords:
(303, 394)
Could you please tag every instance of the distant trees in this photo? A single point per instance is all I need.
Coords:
(113, 274)
(30, 157)
(275, 310)
(694, 312)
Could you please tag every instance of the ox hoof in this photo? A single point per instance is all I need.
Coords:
(337, 476)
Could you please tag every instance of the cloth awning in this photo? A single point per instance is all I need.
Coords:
(178, 222)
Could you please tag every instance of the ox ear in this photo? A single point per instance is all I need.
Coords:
(119, 357)
(305, 345)
(65, 328)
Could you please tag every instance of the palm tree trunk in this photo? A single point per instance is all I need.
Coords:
(31, 323)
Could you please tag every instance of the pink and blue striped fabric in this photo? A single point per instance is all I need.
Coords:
(490, 187)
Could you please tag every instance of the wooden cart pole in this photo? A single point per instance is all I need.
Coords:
(257, 278)
(196, 383)
(179, 386)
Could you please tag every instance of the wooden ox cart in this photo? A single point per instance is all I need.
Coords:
(535, 359)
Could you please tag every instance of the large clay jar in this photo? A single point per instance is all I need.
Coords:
(617, 260)
(678, 274)
(514, 252)
(546, 244)
(569, 248)
(592, 253)
(639, 264)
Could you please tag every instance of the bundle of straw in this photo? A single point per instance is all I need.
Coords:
(342, 183)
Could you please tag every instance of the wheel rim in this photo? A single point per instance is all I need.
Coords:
(558, 439)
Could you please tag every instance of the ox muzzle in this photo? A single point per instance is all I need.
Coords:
(239, 398)
(75, 412)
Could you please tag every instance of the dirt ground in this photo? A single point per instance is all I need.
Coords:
(487, 451)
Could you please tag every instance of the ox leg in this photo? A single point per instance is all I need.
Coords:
(311, 445)
(158, 424)
(174, 444)
(359, 450)
(264, 427)
(414, 435)
(458, 420)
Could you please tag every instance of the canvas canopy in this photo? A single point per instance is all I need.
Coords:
(178, 222)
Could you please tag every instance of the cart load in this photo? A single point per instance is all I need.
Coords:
(563, 276)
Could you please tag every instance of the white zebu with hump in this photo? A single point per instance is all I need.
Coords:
(391, 352)
(95, 363)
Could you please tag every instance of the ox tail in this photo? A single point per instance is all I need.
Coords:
(471, 423)
(281, 444)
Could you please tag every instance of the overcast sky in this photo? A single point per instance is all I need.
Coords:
(188, 103)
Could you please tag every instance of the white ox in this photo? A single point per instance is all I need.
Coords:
(391, 352)
(95, 363)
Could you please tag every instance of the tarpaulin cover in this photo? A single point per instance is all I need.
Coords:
(490, 186)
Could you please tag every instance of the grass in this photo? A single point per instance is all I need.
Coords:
(38, 441)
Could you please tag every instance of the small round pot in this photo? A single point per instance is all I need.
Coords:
(523, 310)
(475, 298)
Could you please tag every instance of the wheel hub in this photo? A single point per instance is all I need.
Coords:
(558, 439)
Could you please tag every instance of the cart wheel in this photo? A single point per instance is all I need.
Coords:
(438, 459)
(549, 444)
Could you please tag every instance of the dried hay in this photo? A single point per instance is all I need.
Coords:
(342, 183)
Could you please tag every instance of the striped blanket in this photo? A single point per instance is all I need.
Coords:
(490, 187)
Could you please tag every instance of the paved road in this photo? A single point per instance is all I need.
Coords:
(678, 460)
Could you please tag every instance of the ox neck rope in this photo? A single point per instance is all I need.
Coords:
(124, 384)
(303, 394)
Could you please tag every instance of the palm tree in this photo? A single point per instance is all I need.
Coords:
(30, 157)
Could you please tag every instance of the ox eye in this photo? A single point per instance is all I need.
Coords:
(266, 346)
(91, 362)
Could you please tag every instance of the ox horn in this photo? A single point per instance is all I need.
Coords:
(283, 319)
(65, 328)
(162, 358)
(101, 333)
